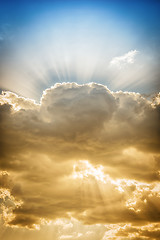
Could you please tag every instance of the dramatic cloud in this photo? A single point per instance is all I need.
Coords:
(84, 153)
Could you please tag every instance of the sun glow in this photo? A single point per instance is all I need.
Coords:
(85, 170)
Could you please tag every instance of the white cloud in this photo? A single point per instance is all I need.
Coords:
(127, 58)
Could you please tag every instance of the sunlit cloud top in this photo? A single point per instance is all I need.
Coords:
(47, 42)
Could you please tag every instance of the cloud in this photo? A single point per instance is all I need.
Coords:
(17, 102)
(127, 58)
(150, 231)
(84, 152)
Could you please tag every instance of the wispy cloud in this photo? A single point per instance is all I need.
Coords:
(127, 58)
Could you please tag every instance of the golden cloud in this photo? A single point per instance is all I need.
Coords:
(83, 152)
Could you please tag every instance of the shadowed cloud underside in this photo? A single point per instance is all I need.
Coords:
(84, 154)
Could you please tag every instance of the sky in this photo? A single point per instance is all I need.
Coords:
(79, 120)
(45, 42)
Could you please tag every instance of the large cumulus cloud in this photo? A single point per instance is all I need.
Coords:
(84, 126)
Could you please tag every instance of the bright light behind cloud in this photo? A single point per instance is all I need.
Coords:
(116, 186)
(83, 169)
(77, 46)
(76, 49)
(79, 120)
